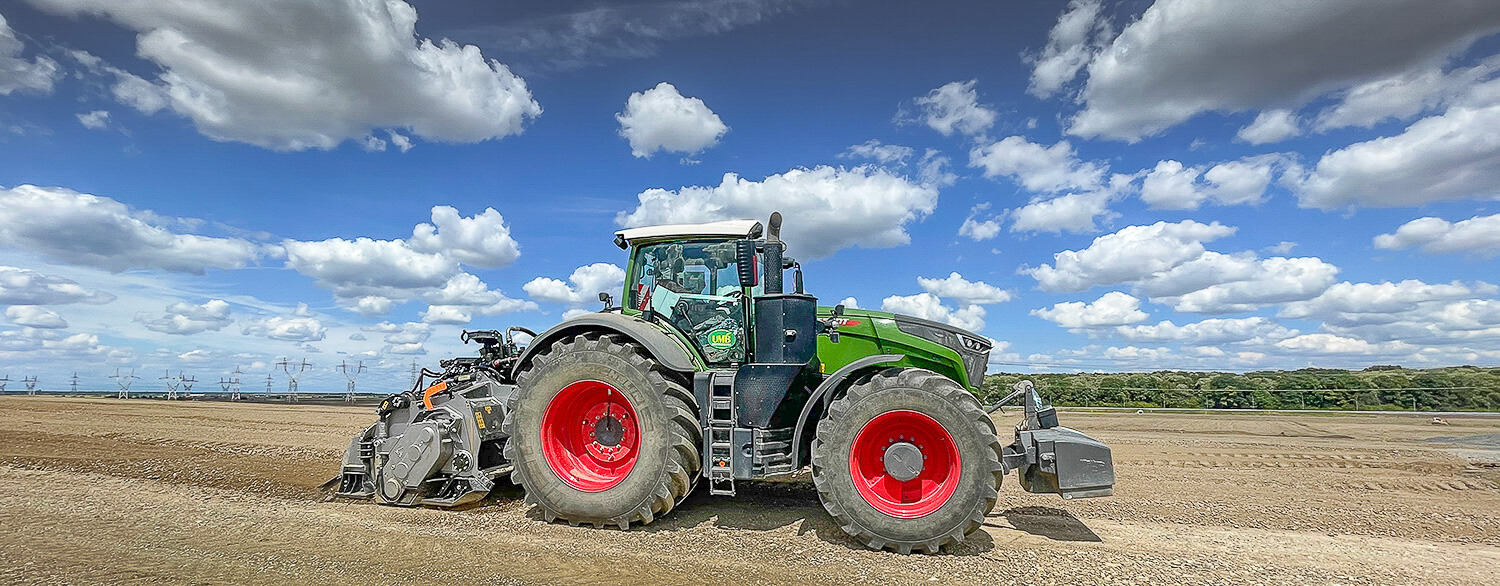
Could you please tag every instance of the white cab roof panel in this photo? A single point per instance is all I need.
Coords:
(730, 228)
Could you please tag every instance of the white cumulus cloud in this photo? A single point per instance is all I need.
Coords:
(100, 232)
(34, 316)
(1270, 126)
(964, 291)
(1037, 167)
(1241, 282)
(1112, 309)
(186, 318)
(300, 326)
(826, 208)
(1451, 156)
(661, 119)
(369, 275)
(885, 154)
(930, 307)
(367, 267)
(20, 286)
(583, 286)
(1181, 58)
(482, 240)
(20, 74)
(955, 107)
(1479, 234)
(1173, 186)
(95, 120)
(311, 75)
(1070, 46)
(1210, 331)
(1130, 254)
(1073, 212)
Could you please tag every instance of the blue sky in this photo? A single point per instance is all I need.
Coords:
(1095, 185)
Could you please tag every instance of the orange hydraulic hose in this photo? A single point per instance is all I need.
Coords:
(433, 390)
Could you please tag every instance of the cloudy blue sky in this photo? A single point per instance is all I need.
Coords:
(1198, 184)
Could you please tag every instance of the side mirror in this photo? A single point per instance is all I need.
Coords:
(744, 258)
(838, 310)
(606, 300)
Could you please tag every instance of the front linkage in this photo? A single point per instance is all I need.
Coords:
(1054, 459)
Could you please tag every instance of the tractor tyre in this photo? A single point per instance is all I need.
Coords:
(601, 434)
(906, 460)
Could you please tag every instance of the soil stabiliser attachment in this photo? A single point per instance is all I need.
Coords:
(708, 373)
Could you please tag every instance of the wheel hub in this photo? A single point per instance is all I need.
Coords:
(609, 431)
(903, 461)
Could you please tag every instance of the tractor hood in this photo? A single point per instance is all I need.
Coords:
(973, 348)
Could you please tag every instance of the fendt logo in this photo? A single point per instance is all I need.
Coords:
(721, 339)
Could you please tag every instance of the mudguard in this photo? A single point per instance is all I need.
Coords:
(670, 352)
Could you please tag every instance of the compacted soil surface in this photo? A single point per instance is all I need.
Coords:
(145, 491)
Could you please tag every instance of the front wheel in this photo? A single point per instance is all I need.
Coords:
(907, 460)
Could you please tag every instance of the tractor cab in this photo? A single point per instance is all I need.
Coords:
(709, 282)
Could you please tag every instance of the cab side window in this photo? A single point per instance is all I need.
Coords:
(695, 286)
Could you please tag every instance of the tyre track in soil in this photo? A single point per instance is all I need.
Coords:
(132, 491)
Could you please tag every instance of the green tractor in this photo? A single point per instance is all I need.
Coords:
(710, 373)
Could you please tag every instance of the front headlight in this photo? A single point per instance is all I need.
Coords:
(976, 358)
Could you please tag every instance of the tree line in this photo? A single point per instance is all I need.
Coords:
(1460, 388)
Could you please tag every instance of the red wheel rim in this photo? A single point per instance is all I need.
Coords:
(909, 499)
(581, 445)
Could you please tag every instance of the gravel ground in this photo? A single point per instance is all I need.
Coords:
(131, 491)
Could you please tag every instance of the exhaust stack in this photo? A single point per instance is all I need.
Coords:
(774, 251)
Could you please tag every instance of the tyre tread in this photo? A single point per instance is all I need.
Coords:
(684, 463)
(940, 386)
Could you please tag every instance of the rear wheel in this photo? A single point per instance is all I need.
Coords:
(601, 435)
(906, 460)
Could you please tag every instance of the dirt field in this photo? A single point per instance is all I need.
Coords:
(112, 491)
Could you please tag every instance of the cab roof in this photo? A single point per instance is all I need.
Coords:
(727, 228)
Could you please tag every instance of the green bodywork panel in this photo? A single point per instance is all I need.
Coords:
(868, 333)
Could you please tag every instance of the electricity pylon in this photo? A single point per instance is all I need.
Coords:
(124, 381)
(344, 367)
(231, 385)
(171, 385)
(291, 377)
(30, 384)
